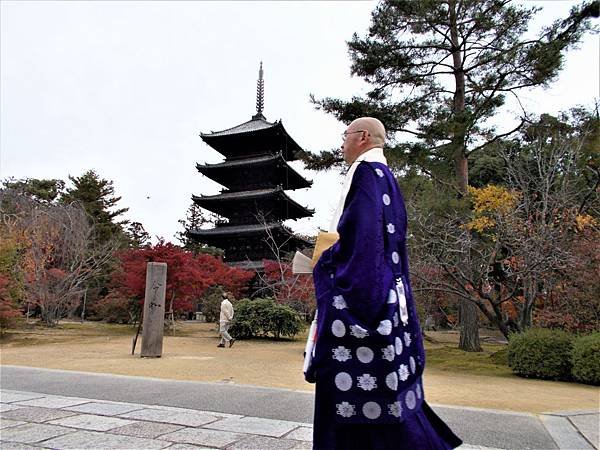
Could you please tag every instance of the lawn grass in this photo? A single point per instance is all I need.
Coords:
(491, 361)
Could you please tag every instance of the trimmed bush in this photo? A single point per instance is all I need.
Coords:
(585, 358)
(263, 317)
(541, 353)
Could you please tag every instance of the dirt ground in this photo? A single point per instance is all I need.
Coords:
(192, 355)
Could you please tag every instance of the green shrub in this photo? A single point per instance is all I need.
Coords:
(585, 358)
(264, 317)
(541, 353)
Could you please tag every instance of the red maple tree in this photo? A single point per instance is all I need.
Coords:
(188, 275)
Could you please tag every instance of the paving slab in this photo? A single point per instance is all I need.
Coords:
(301, 434)
(301, 445)
(16, 446)
(92, 422)
(10, 397)
(263, 443)
(589, 426)
(189, 447)
(255, 425)
(146, 429)
(33, 414)
(93, 440)
(187, 410)
(7, 423)
(104, 409)
(201, 436)
(33, 432)
(8, 407)
(51, 401)
(188, 418)
(564, 433)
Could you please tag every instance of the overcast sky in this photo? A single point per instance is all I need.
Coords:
(125, 88)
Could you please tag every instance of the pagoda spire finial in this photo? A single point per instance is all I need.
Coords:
(260, 95)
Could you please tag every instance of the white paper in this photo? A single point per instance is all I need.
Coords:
(301, 264)
(310, 344)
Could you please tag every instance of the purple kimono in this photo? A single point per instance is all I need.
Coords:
(369, 355)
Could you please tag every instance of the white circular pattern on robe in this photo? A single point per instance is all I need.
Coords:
(371, 410)
(386, 199)
(388, 353)
(358, 332)
(392, 381)
(391, 228)
(395, 409)
(364, 354)
(407, 339)
(341, 353)
(345, 409)
(343, 381)
(385, 327)
(339, 302)
(412, 363)
(379, 172)
(403, 372)
(410, 400)
(398, 346)
(392, 296)
(338, 328)
(395, 257)
(396, 319)
(419, 392)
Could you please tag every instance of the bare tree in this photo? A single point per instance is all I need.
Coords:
(58, 252)
(506, 258)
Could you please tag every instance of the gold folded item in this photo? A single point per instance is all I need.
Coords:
(324, 241)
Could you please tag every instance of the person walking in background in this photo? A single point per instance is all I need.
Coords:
(225, 318)
(368, 357)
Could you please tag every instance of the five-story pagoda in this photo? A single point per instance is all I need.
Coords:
(255, 175)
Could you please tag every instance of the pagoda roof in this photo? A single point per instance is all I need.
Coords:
(229, 172)
(227, 203)
(253, 138)
(221, 236)
(253, 124)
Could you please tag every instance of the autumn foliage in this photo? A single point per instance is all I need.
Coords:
(290, 289)
(188, 275)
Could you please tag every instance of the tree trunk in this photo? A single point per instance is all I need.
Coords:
(467, 319)
(469, 326)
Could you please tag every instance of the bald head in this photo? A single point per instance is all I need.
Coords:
(361, 135)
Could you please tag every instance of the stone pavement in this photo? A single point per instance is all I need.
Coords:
(114, 415)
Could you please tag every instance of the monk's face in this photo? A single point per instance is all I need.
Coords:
(355, 142)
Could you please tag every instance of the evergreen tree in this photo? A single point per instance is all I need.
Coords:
(97, 196)
(138, 237)
(41, 190)
(439, 71)
(195, 218)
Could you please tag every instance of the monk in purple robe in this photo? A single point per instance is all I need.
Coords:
(368, 358)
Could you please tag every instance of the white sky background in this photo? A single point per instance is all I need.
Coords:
(125, 88)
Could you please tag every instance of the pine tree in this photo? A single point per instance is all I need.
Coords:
(439, 71)
(97, 196)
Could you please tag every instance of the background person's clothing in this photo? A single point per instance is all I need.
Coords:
(226, 314)
(223, 331)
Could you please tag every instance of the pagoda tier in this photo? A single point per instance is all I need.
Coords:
(250, 243)
(252, 206)
(253, 138)
(251, 173)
